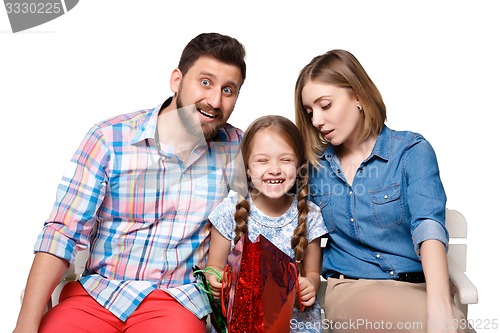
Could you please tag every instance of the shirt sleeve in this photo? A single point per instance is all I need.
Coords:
(222, 217)
(426, 195)
(426, 230)
(79, 196)
(315, 224)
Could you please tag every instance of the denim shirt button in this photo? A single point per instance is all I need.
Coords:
(378, 255)
(350, 192)
(352, 219)
(386, 196)
(391, 272)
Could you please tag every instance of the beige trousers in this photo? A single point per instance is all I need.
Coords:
(379, 306)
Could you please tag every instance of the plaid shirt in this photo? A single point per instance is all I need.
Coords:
(141, 210)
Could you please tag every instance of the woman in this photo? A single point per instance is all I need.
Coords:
(382, 201)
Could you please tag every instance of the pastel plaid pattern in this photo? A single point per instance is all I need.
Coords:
(141, 210)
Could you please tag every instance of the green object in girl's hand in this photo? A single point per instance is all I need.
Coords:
(217, 318)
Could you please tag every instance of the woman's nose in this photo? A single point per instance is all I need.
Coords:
(317, 120)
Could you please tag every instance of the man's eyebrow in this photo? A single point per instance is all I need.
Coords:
(207, 74)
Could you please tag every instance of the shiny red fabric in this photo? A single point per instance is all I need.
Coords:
(262, 288)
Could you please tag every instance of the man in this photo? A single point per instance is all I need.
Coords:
(138, 195)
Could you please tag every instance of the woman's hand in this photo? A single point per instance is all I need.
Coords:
(440, 318)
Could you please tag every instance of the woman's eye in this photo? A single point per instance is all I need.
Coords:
(326, 106)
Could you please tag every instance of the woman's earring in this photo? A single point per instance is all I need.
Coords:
(360, 108)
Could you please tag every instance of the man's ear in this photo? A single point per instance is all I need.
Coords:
(175, 80)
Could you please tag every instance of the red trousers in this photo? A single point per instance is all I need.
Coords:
(78, 312)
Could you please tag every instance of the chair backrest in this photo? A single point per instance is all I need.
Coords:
(457, 229)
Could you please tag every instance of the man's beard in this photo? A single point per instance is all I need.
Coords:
(209, 130)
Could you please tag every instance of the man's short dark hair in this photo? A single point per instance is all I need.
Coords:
(220, 47)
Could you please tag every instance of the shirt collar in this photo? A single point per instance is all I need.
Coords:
(382, 148)
(147, 128)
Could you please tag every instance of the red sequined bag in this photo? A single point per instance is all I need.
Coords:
(262, 281)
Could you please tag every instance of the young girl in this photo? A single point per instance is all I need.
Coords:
(276, 207)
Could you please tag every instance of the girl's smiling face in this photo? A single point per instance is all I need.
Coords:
(272, 164)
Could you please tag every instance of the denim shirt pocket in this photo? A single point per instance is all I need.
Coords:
(323, 202)
(387, 207)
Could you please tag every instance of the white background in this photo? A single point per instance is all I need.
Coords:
(435, 63)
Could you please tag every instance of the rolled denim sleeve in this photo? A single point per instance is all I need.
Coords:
(427, 230)
(426, 195)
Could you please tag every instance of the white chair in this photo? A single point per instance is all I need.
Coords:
(462, 289)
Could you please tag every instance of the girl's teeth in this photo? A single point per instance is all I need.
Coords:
(274, 181)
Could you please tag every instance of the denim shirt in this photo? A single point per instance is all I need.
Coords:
(396, 201)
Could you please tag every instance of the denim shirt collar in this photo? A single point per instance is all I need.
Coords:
(382, 149)
(384, 145)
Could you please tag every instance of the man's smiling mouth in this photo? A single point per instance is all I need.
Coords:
(206, 114)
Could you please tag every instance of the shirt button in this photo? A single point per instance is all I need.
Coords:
(378, 255)
(350, 192)
(386, 196)
(352, 219)
(391, 272)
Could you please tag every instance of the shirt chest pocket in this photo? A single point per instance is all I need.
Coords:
(387, 206)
